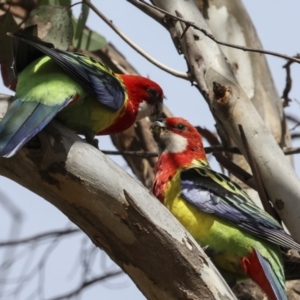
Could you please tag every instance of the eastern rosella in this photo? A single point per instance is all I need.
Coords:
(241, 239)
(78, 90)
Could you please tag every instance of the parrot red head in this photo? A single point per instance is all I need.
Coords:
(177, 136)
(144, 99)
(179, 144)
(146, 96)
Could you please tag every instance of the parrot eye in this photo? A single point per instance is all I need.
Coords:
(152, 93)
(180, 126)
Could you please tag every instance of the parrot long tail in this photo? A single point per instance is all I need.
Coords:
(22, 121)
(261, 272)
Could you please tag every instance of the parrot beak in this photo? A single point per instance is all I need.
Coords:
(157, 127)
(157, 110)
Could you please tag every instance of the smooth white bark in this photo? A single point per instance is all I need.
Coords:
(230, 22)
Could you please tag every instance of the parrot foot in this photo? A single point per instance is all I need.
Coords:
(95, 143)
(229, 277)
(92, 141)
(210, 252)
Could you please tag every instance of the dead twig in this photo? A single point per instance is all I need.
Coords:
(209, 149)
(88, 283)
(236, 170)
(209, 35)
(39, 237)
(288, 84)
(134, 46)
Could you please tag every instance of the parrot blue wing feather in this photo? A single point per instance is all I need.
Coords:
(23, 121)
(215, 193)
(99, 80)
(277, 287)
(108, 90)
(12, 109)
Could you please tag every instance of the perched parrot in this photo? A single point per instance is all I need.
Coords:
(241, 239)
(79, 91)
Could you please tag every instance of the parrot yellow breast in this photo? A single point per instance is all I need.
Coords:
(227, 242)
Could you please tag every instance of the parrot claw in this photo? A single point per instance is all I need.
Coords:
(210, 252)
(205, 248)
(92, 141)
(95, 143)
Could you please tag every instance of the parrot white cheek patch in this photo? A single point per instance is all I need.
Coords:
(177, 143)
(145, 110)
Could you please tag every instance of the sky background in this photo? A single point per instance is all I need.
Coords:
(277, 24)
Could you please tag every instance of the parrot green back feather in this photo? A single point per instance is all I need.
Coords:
(43, 81)
(50, 85)
(45, 91)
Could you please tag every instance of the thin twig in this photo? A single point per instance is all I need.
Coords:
(220, 148)
(295, 126)
(289, 117)
(209, 149)
(39, 237)
(16, 223)
(213, 140)
(87, 283)
(136, 47)
(38, 269)
(144, 154)
(236, 170)
(290, 150)
(210, 136)
(288, 84)
(188, 23)
(132, 153)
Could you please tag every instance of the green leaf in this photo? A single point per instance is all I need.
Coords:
(90, 40)
(54, 25)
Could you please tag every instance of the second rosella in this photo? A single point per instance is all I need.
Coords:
(241, 239)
